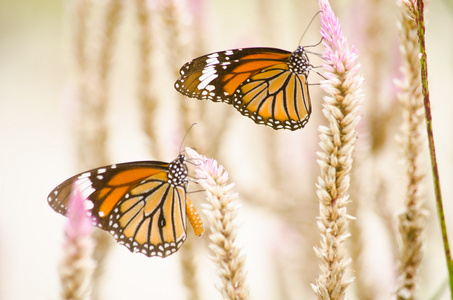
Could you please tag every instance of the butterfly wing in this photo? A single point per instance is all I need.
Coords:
(142, 204)
(267, 85)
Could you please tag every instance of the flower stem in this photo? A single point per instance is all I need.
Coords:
(429, 128)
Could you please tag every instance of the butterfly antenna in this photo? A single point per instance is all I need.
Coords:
(308, 46)
(306, 29)
(196, 191)
(185, 135)
(312, 69)
(314, 53)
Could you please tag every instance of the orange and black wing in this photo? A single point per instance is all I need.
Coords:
(267, 85)
(142, 204)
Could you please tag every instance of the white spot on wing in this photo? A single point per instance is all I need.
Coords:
(207, 80)
(212, 61)
(89, 205)
(208, 71)
(213, 55)
(84, 175)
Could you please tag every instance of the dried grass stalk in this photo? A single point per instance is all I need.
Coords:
(92, 128)
(411, 221)
(148, 100)
(93, 58)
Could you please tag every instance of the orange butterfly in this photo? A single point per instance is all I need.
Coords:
(142, 204)
(268, 85)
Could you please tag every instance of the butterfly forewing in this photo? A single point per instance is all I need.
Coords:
(267, 85)
(216, 76)
(142, 204)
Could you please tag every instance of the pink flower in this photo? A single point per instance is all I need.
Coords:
(77, 265)
(221, 209)
(79, 223)
(337, 141)
(337, 55)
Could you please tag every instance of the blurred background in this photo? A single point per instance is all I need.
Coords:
(85, 84)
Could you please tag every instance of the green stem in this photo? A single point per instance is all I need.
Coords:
(429, 128)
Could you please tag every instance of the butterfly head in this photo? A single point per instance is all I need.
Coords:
(177, 171)
(299, 62)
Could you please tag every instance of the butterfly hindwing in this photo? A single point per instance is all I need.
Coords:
(275, 97)
(146, 225)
